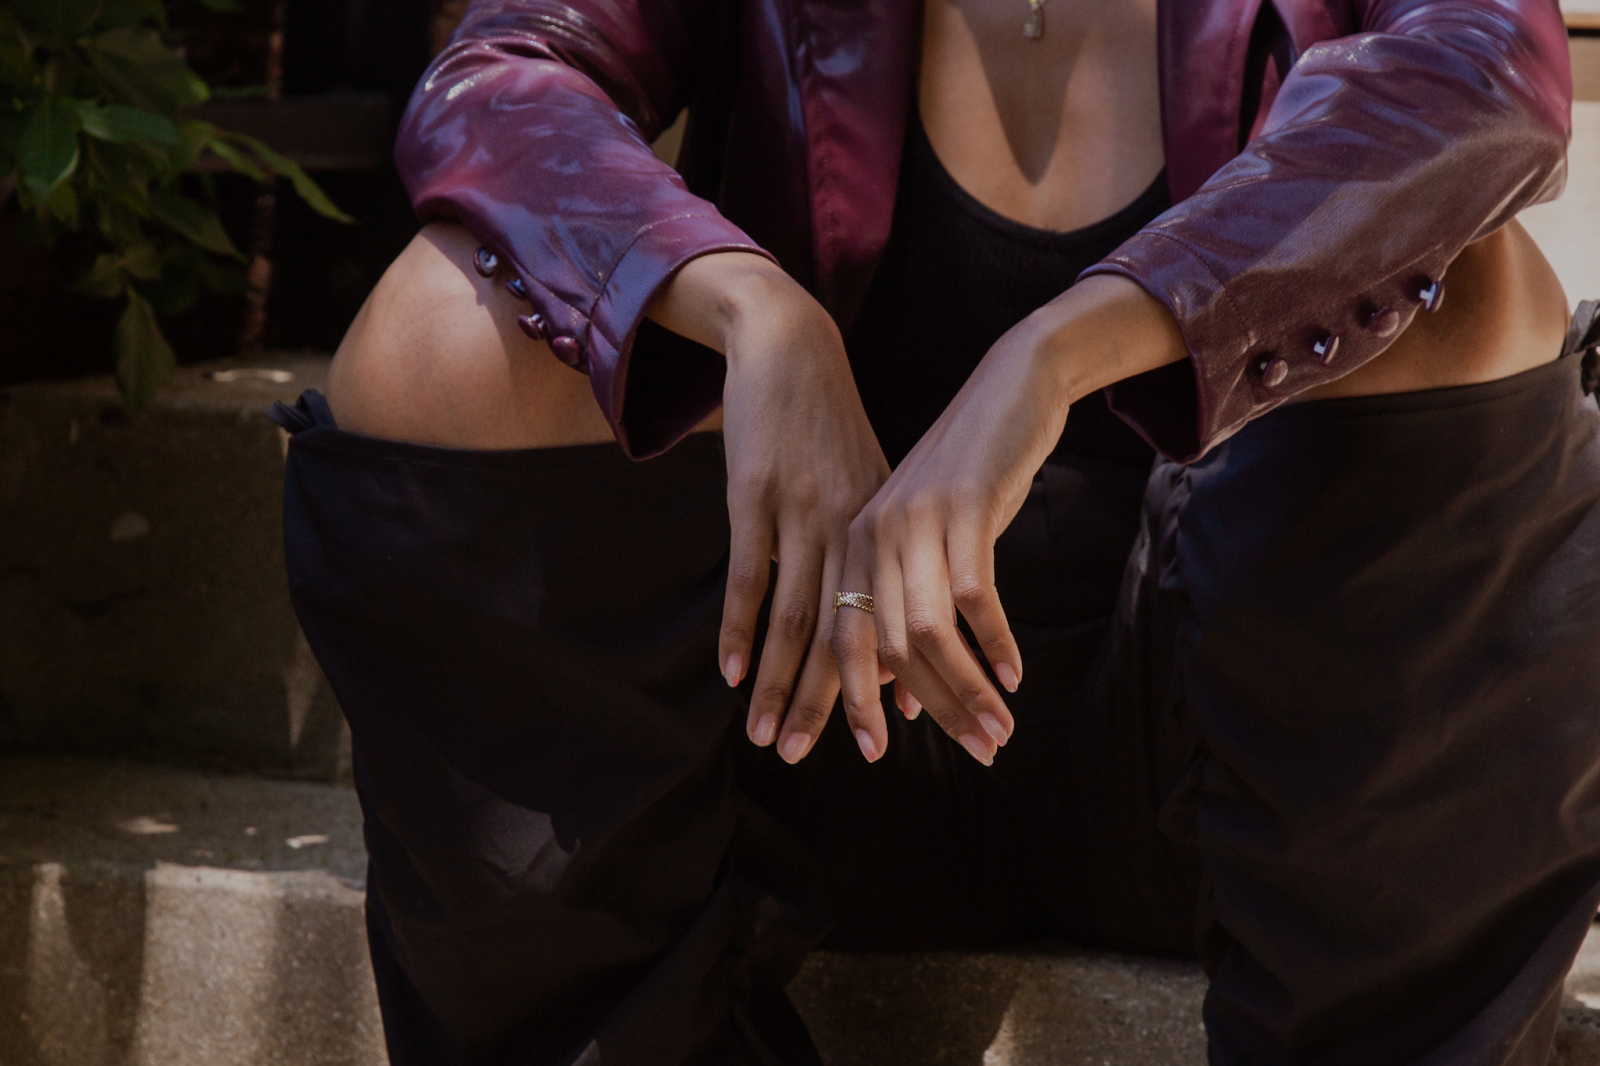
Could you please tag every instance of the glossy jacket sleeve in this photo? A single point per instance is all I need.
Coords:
(1383, 155)
(531, 130)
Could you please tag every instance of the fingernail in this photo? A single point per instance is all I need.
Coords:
(868, 748)
(795, 748)
(977, 749)
(912, 708)
(992, 726)
(734, 670)
(1006, 676)
(766, 730)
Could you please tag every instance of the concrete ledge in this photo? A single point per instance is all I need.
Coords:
(143, 607)
(121, 946)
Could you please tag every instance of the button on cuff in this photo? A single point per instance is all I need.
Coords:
(1273, 372)
(568, 351)
(533, 325)
(1384, 322)
(1431, 294)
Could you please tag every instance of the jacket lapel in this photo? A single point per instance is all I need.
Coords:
(1203, 49)
(855, 67)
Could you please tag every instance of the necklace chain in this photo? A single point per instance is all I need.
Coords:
(1033, 26)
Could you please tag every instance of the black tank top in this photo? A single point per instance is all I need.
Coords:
(954, 277)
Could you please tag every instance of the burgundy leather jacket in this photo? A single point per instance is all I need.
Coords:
(1328, 160)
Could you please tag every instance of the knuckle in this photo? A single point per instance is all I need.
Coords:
(737, 633)
(773, 693)
(795, 621)
(748, 580)
(970, 694)
(809, 717)
(947, 720)
(969, 592)
(924, 629)
(896, 655)
(857, 707)
(997, 646)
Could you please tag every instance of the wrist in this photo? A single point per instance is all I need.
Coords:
(713, 297)
(1103, 330)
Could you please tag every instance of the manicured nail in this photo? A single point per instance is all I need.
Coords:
(795, 748)
(912, 708)
(992, 726)
(977, 749)
(868, 748)
(734, 670)
(766, 730)
(1006, 676)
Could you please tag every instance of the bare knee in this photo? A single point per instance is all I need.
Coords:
(435, 356)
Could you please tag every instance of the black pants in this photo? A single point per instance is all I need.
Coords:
(1335, 725)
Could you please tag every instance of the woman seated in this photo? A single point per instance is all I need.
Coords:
(1316, 697)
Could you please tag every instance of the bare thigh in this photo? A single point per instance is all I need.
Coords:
(435, 356)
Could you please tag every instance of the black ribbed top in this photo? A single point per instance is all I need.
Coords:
(956, 275)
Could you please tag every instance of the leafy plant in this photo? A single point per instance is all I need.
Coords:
(95, 132)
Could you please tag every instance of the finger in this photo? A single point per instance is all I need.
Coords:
(749, 570)
(946, 710)
(971, 560)
(790, 627)
(855, 644)
(814, 696)
(930, 625)
(915, 676)
(812, 707)
(903, 699)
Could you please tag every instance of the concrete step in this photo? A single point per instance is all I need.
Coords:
(143, 607)
(156, 917)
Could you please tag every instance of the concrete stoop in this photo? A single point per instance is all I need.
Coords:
(156, 917)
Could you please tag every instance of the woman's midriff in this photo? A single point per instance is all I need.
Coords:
(1504, 312)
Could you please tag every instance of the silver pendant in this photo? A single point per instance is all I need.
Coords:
(1033, 26)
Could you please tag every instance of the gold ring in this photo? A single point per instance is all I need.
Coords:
(852, 599)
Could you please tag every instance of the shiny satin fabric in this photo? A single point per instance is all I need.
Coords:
(1403, 130)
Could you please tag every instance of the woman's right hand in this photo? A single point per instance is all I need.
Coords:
(802, 462)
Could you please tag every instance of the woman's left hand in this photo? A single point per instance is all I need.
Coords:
(923, 548)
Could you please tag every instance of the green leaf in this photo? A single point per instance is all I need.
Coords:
(236, 159)
(120, 123)
(47, 152)
(142, 261)
(195, 221)
(287, 168)
(105, 278)
(145, 361)
(193, 137)
(63, 204)
(144, 71)
(58, 20)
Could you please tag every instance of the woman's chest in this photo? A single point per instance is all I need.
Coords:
(1048, 112)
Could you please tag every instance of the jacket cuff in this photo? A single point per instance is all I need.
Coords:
(652, 385)
(1255, 341)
